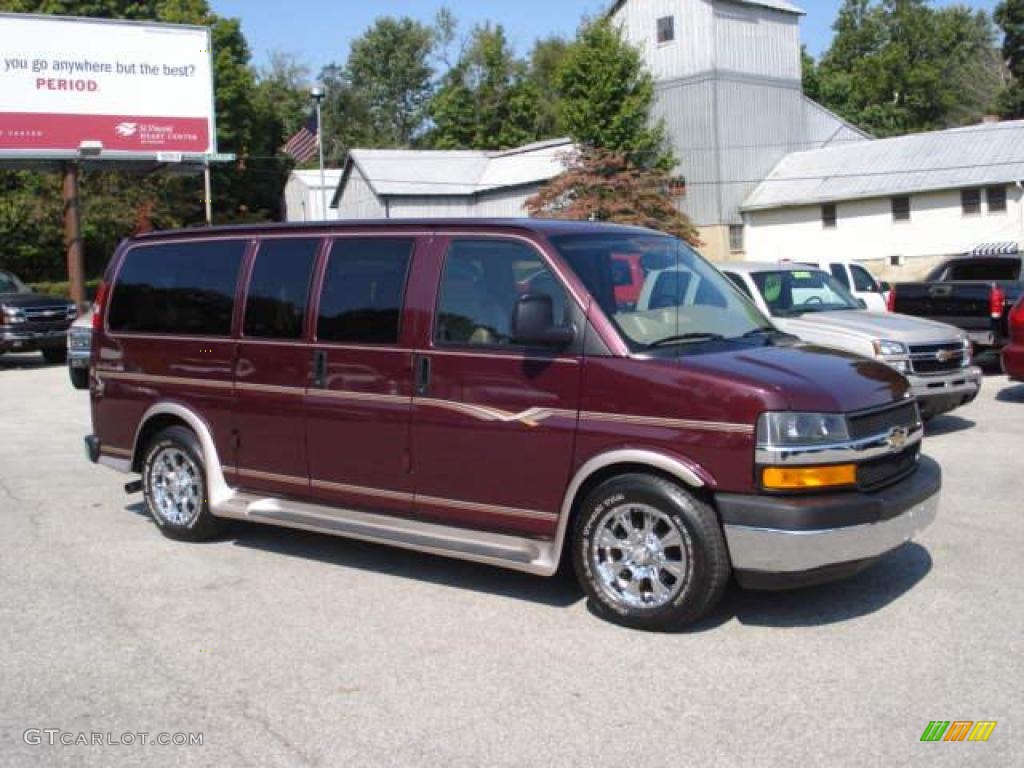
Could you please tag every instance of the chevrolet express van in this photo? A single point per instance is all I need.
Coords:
(475, 389)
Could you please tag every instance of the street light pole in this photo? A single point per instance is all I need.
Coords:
(317, 94)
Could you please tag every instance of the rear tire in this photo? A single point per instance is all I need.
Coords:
(174, 485)
(649, 554)
(56, 355)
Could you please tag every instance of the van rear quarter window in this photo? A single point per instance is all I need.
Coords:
(177, 288)
(363, 291)
(279, 288)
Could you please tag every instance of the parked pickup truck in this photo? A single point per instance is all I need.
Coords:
(972, 293)
(812, 305)
(33, 323)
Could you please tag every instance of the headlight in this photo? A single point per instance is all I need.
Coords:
(968, 351)
(13, 315)
(79, 338)
(776, 430)
(72, 312)
(885, 348)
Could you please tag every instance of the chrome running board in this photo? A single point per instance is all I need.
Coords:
(512, 552)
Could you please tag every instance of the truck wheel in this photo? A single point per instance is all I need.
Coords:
(174, 484)
(55, 355)
(79, 377)
(649, 554)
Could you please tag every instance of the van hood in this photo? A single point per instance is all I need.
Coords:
(873, 325)
(804, 377)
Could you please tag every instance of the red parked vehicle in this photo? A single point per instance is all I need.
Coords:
(629, 276)
(476, 389)
(1013, 352)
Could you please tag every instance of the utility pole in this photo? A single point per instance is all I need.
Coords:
(73, 235)
(317, 94)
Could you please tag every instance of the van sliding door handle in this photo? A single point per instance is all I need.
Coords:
(320, 369)
(422, 376)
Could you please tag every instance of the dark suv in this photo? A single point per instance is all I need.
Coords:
(33, 323)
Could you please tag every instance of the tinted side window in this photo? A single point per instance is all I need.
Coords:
(1001, 269)
(839, 273)
(279, 289)
(363, 291)
(178, 288)
(482, 282)
(863, 281)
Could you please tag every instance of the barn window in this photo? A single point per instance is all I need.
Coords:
(829, 216)
(666, 29)
(996, 199)
(970, 201)
(677, 187)
(901, 208)
(736, 238)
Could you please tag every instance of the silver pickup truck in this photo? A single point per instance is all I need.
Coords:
(812, 305)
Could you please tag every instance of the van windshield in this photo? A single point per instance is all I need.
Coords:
(11, 284)
(674, 298)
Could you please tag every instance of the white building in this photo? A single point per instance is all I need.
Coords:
(304, 195)
(729, 88)
(904, 202)
(401, 183)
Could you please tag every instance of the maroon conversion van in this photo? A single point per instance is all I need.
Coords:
(475, 389)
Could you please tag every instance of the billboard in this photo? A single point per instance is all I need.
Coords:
(136, 88)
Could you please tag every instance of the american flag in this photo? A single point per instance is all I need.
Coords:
(303, 146)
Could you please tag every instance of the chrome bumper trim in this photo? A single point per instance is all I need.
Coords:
(964, 381)
(771, 550)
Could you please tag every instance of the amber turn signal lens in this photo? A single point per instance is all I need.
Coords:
(804, 478)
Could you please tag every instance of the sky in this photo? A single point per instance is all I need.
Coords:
(318, 32)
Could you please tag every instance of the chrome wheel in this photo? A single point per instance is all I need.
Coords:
(640, 555)
(175, 486)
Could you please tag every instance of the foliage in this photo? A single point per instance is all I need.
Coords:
(607, 94)
(487, 100)
(900, 66)
(1010, 17)
(608, 185)
(62, 290)
(390, 66)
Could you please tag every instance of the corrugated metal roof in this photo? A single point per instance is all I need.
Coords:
(778, 5)
(954, 159)
(407, 172)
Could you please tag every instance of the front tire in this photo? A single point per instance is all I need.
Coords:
(649, 554)
(79, 377)
(174, 485)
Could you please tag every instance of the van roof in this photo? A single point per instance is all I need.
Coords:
(541, 226)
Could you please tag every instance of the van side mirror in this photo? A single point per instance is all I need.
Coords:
(884, 287)
(533, 324)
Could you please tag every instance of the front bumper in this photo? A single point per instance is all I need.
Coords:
(944, 393)
(776, 542)
(31, 341)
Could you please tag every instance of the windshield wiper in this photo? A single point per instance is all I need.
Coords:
(686, 338)
(764, 331)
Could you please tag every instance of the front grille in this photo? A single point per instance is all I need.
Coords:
(878, 473)
(930, 359)
(50, 314)
(883, 421)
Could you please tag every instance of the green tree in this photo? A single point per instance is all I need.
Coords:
(390, 64)
(546, 61)
(607, 94)
(899, 66)
(1010, 17)
(487, 100)
(811, 76)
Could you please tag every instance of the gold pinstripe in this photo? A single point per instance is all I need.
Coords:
(530, 417)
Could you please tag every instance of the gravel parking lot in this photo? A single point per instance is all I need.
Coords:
(285, 648)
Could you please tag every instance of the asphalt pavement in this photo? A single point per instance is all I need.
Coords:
(284, 648)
